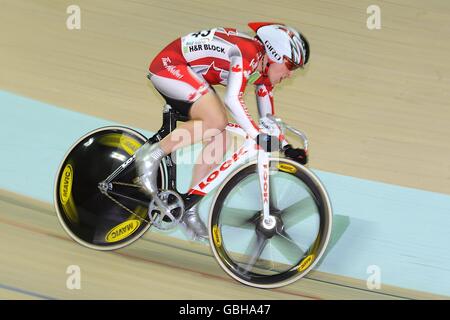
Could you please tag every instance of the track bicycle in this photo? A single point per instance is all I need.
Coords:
(269, 222)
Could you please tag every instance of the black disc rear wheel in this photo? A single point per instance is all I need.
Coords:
(89, 216)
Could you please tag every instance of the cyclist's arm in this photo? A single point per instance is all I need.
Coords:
(234, 97)
(264, 100)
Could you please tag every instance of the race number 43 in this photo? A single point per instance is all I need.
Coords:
(202, 36)
(204, 33)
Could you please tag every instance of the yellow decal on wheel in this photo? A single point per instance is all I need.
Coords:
(287, 168)
(117, 140)
(216, 236)
(123, 230)
(65, 185)
(305, 263)
(65, 194)
(129, 144)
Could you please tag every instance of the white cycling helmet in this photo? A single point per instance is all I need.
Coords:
(282, 43)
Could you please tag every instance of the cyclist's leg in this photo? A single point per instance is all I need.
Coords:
(207, 114)
(189, 94)
(210, 157)
(208, 122)
(192, 97)
(183, 89)
(208, 119)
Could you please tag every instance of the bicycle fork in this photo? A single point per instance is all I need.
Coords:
(268, 221)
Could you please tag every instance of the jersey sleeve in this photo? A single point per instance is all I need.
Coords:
(264, 100)
(237, 80)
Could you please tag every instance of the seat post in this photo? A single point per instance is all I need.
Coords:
(169, 120)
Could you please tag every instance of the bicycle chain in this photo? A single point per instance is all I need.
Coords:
(126, 184)
(121, 205)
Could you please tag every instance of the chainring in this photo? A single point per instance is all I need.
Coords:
(166, 219)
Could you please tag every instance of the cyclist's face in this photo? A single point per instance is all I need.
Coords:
(277, 72)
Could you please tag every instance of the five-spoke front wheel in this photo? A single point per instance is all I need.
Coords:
(268, 257)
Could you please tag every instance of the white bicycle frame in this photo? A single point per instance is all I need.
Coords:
(246, 152)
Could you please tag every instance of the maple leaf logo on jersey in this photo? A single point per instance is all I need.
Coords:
(236, 68)
(212, 72)
(192, 96)
(262, 92)
(201, 91)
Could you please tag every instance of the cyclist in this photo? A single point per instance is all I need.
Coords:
(183, 73)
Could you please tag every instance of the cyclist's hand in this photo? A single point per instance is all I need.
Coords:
(297, 154)
(267, 142)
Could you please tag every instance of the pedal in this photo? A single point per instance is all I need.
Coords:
(166, 211)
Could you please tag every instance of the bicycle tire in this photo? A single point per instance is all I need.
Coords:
(232, 261)
(88, 216)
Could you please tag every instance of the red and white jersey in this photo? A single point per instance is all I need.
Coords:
(222, 56)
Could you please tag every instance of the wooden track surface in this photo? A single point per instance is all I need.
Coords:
(36, 253)
(375, 105)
